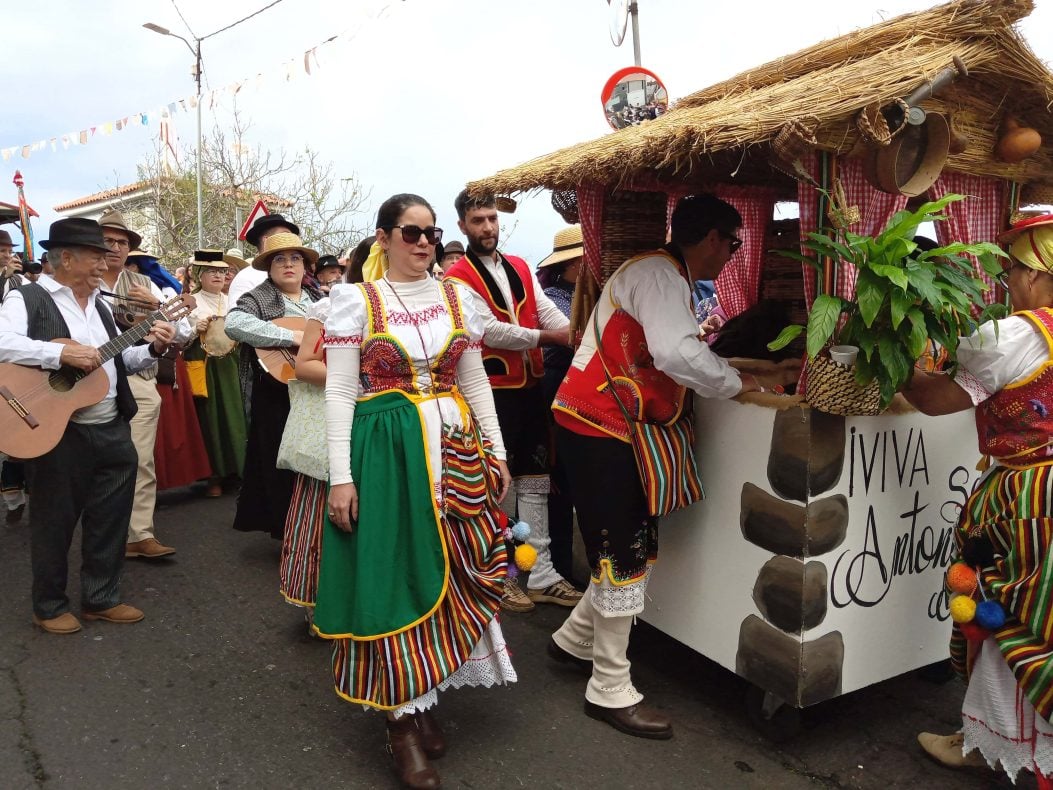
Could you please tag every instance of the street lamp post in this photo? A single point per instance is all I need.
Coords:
(195, 50)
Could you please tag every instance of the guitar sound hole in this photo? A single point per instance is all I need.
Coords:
(64, 379)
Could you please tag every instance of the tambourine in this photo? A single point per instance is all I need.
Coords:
(214, 341)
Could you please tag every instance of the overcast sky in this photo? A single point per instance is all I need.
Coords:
(415, 96)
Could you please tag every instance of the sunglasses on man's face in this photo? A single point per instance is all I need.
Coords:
(734, 242)
(411, 233)
(1003, 278)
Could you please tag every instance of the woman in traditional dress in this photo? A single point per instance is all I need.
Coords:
(266, 490)
(214, 377)
(1005, 369)
(409, 590)
(305, 451)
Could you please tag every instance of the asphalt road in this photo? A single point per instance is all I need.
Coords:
(220, 687)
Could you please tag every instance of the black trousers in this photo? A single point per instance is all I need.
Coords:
(88, 477)
(620, 536)
(12, 476)
(524, 419)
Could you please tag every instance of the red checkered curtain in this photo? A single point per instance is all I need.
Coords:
(590, 214)
(980, 217)
(875, 206)
(738, 285)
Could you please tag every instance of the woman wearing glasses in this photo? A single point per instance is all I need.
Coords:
(1003, 535)
(408, 591)
(266, 490)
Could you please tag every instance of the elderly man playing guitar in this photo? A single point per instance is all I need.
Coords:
(61, 324)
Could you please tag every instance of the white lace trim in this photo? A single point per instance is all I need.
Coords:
(612, 600)
(490, 664)
(1000, 721)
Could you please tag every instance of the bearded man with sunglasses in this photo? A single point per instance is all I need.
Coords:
(519, 320)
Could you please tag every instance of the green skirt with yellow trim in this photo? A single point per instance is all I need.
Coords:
(1013, 509)
(408, 594)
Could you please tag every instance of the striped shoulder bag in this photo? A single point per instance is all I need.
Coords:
(665, 455)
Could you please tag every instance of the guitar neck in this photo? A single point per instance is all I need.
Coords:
(128, 339)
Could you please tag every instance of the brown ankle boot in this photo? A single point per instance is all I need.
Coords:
(410, 762)
(431, 737)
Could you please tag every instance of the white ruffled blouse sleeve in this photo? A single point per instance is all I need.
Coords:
(474, 321)
(1001, 352)
(319, 311)
(347, 317)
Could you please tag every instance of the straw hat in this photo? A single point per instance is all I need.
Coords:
(115, 219)
(282, 242)
(566, 245)
(1011, 235)
(213, 259)
(236, 258)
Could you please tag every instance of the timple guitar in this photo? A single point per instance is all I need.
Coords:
(36, 404)
(280, 363)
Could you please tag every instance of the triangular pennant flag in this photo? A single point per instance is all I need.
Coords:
(93, 131)
(182, 104)
(6, 154)
(143, 119)
(65, 142)
(34, 146)
(25, 152)
(83, 137)
(172, 108)
(54, 143)
(193, 102)
(107, 128)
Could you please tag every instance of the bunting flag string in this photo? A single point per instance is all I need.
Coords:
(309, 62)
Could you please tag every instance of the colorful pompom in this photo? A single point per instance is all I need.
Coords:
(509, 535)
(973, 632)
(990, 615)
(521, 531)
(961, 579)
(963, 608)
(512, 570)
(525, 557)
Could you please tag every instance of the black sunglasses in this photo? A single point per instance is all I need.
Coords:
(411, 233)
(736, 242)
(1003, 278)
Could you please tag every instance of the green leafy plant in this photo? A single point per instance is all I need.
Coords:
(904, 297)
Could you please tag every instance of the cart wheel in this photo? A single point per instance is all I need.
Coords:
(770, 716)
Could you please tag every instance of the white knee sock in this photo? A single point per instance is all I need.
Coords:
(576, 634)
(610, 685)
(533, 509)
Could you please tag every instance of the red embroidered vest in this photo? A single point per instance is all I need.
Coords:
(506, 369)
(583, 402)
(1015, 425)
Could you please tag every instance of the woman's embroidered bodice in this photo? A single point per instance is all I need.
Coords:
(392, 355)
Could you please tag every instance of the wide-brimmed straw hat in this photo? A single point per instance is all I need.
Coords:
(1031, 242)
(566, 245)
(112, 218)
(213, 259)
(1011, 235)
(265, 223)
(236, 258)
(282, 242)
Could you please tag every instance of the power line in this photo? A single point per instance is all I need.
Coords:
(243, 19)
(176, 7)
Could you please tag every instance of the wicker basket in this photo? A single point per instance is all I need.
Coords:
(832, 388)
(633, 222)
(565, 202)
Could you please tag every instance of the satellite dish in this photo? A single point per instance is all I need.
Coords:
(619, 18)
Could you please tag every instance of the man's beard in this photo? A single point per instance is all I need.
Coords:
(478, 249)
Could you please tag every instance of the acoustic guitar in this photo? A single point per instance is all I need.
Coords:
(36, 404)
(280, 363)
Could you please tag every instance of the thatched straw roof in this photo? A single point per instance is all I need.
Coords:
(726, 129)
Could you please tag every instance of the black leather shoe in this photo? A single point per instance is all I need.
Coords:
(557, 653)
(637, 720)
(14, 516)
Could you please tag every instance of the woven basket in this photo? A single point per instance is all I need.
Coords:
(796, 138)
(832, 388)
(565, 202)
(633, 222)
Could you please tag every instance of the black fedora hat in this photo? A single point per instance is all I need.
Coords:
(266, 222)
(75, 232)
(327, 261)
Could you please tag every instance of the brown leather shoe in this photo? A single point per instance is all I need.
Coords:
(121, 613)
(637, 720)
(65, 623)
(431, 738)
(407, 754)
(149, 549)
(557, 653)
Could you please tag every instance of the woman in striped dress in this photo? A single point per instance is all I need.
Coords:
(409, 593)
(301, 545)
(1005, 529)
